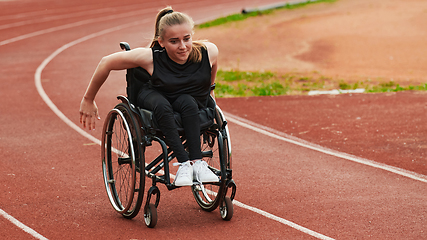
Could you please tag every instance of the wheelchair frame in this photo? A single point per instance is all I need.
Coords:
(127, 134)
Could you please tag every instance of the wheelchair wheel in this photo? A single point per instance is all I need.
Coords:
(122, 156)
(150, 215)
(226, 209)
(215, 154)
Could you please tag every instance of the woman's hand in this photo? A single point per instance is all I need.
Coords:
(88, 113)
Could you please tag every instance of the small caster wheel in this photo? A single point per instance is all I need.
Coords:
(226, 209)
(150, 215)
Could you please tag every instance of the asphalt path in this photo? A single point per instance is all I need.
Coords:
(50, 173)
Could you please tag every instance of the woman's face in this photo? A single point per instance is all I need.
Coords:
(178, 42)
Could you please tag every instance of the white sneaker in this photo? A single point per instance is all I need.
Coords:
(202, 174)
(184, 174)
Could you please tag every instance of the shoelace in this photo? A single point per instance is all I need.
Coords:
(182, 166)
(202, 165)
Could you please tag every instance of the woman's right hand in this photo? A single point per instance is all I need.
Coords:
(88, 113)
(138, 57)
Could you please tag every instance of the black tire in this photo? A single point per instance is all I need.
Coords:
(215, 151)
(226, 209)
(139, 149)
(220, 120)
(150, 215)
(121, 158)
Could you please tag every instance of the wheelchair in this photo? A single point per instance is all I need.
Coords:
(129, 133)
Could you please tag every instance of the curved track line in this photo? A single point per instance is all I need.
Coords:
(71, 15)
(22, 226)
(290, 139)
(45, 97)
(42, 12)
(51, 18)
(75, 24)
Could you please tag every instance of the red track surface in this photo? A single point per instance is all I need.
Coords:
(51, 175)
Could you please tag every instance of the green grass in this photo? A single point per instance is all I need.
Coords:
(230, 18)
(245, 84)
(231, 76)
(395, 87)
(243, 16)
(270, 89)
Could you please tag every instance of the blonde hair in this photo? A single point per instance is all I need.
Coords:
(166, 18)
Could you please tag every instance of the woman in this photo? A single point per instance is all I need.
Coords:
(181, 74)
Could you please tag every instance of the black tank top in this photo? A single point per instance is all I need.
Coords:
(172, 79)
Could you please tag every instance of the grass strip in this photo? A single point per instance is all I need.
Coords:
(246, 84)
(243, 16)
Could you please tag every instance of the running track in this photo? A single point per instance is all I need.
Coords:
(50, 174)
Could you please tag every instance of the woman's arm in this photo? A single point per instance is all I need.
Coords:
(213, 59)
(116, 61)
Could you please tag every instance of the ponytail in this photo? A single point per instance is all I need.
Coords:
(196, 52)
(167, 17)
(157, 29)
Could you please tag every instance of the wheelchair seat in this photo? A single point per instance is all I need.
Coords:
(206, 116)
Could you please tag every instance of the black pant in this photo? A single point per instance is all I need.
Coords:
(163, 109)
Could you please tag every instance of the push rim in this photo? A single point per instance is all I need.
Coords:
(118, 161)
(139, 153)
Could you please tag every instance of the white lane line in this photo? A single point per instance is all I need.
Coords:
(22, 226)
(290, 139)
(41, 13)
(75, 24)
(41, 19)
(52, 18)
(45, 97)
(283, 221)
